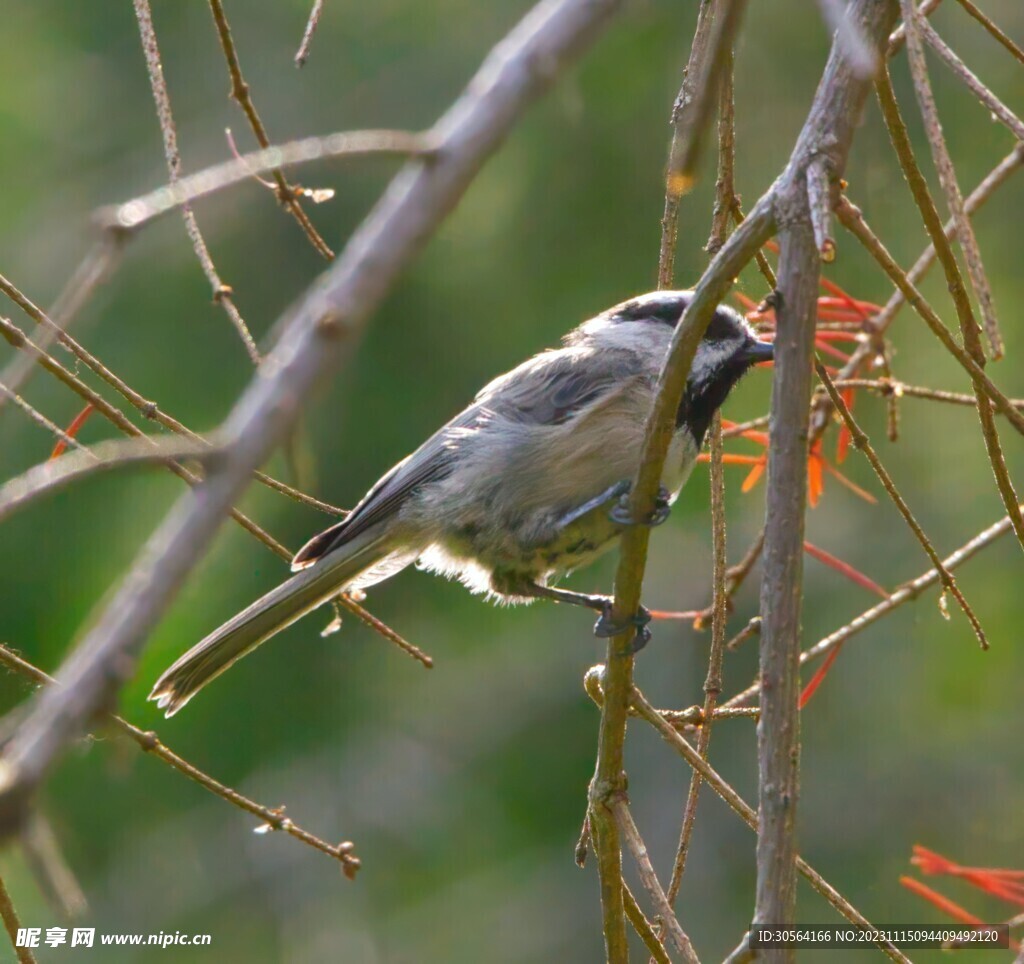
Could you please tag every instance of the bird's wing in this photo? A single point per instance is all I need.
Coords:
(547, 390)
(554, 387)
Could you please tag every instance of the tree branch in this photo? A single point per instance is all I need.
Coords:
(318, 336)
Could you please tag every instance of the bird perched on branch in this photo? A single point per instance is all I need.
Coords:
(528, 483)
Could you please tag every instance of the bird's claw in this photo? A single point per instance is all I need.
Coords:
(606, 627)
(620, 512)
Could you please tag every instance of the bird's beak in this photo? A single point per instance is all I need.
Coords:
(758, 351)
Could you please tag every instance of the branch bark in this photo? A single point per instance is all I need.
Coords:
(318, 336)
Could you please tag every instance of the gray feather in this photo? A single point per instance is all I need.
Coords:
(267, 616)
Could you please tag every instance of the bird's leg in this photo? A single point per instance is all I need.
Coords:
(621, 515)
(605, 626)
(610, 494)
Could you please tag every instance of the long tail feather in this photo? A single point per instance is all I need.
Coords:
(270, 614)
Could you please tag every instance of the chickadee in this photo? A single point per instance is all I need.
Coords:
(526, 484)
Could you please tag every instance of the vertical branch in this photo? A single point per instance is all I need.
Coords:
(778, 731)
(725, 183)
(713, 682)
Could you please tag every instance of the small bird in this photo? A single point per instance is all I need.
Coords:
(528, 483)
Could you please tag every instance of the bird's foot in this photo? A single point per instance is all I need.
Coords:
(621, 515)
(606, 627)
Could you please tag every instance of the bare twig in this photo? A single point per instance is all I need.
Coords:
(710, 59)
(905, 593)
(819, 196)
(725, 183)
(713, 680)
(778, 730)
(637, 847)
(993, 29)
(694, 107)
(12, 925)
(825, 138)
(861, 441)
(995, 179)
(608, 778)
(147, 408)
(39, 418)
(753, 628)
(147, 740)
(222, 293)
(853, 220)
(134, 214)
(724, 790)
(93, 270)
(899, 36)
(286, 194)
(999, 110)
(643, 927)
(892, 386)
(307, 37)
(915, 23)
(317, 337)
(56, 474)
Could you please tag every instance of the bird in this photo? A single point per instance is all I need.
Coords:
(526, 484)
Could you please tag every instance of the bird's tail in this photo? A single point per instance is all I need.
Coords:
(270, 614)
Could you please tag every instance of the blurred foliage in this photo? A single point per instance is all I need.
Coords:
(464, 787)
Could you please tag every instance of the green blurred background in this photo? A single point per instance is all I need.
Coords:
(464, 787)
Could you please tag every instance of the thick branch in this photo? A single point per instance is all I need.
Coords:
(319, 335)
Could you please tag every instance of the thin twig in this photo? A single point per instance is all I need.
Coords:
(56, 474)
(709, 61)
(222, 293)
(915, 24)
(39, 418)
(724, 790)
(985, 390)
(999, 110)
(139, 211)
(993, 29)
(853, 220)
(713, 680)
(753, 628)
(317, 337)
(637, 847)
(286, 193)
(725, 183)
(892, 386)
(147, 408)
(694, 107)
(998, 176)
(899, 36)
(861, 441)
(94, 269)
(12, 925)
(307, 37)
(147, 740)
(643, 927)
(904, 594)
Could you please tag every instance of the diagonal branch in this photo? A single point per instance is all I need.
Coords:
(318, 336)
